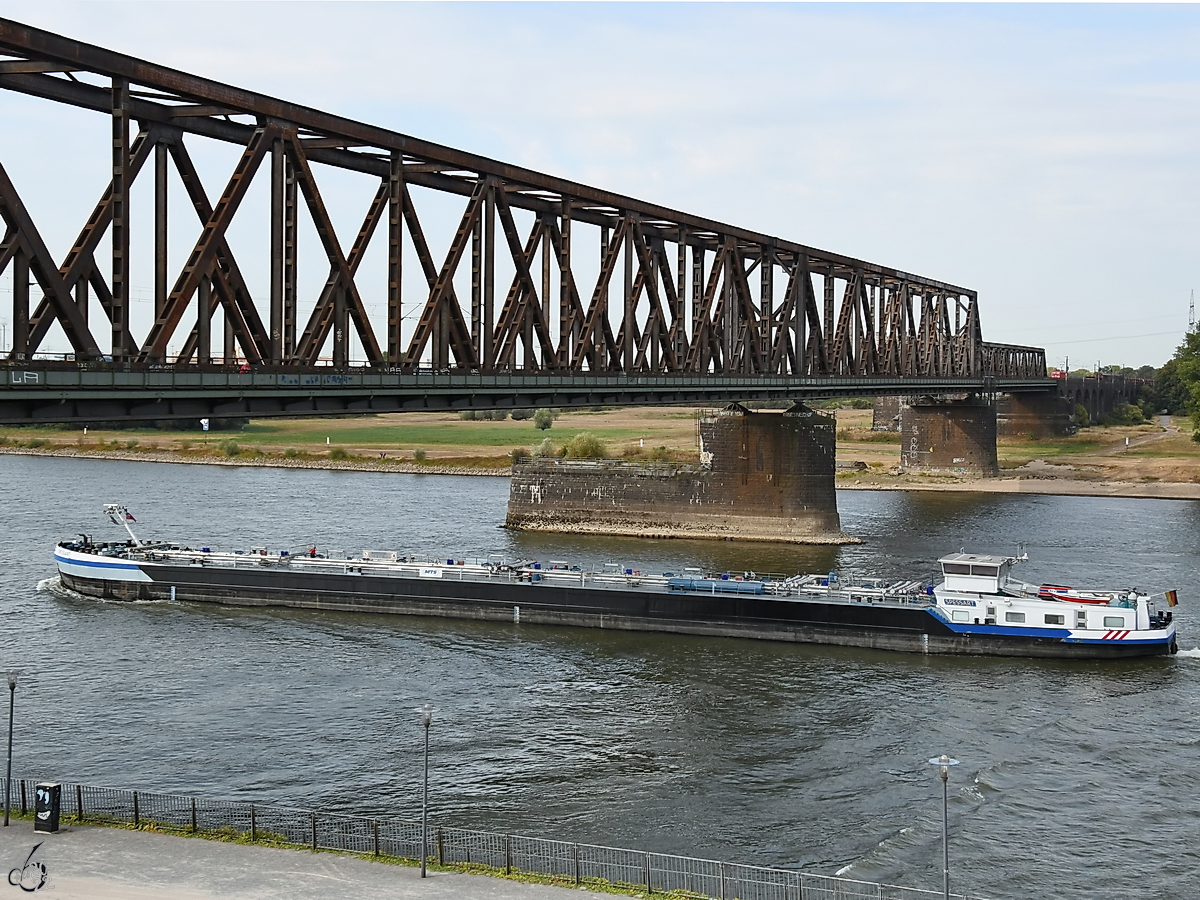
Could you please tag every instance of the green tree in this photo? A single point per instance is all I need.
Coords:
(544, 418)
(1168, 391)
(1187, 359)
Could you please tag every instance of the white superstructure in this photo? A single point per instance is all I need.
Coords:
(978, 591)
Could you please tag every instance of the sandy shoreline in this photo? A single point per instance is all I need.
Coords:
(1063, 487)
(1067, 487)
(270, 462)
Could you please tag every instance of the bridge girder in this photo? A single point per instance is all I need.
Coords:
(687, 300)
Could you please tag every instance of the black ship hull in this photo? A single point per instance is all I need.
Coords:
(855, 624)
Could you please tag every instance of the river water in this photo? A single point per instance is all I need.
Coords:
(1078, 780)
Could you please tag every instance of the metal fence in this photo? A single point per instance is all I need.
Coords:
(563, 861)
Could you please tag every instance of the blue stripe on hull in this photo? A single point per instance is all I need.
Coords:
(1060, 634)
(106, 564)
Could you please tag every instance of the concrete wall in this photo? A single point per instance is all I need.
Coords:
(949, 436)
(763, 476)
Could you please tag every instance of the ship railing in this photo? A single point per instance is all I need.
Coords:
(564, 862)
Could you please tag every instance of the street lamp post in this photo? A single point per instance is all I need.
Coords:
(945, 762)
(12, 695)
(426, 712)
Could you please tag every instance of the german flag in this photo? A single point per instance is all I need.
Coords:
(1172, 598)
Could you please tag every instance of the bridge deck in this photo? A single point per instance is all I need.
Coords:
(111, 393)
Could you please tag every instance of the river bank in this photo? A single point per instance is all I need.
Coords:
(1035, 481)
(1055, 486)
(354, 464)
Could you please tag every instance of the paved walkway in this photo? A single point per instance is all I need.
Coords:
(90, 863)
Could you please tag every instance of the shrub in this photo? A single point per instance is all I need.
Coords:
(543, 419)
(659, 454)
(131, 444)
(469, 415)
(585, 445)
(1127, 414)
(419, 454)
(339, 453)
(37, 442)
(185, 445)
(3, 439)
(291, 452)
(545, 449)
(1082, 419)
(230, 448)
(520, 415)
(518, 455)
(498, 415)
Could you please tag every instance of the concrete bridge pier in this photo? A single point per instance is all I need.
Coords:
(940, 435)
(764, 476)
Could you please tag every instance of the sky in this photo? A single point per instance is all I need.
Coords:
(1046, 156)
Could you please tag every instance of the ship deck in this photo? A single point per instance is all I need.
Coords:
(494, 569)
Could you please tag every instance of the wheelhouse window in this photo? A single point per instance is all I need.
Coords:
(1052, 619)
(1014, 617)
(956, 568)
(985, 571)
(1114, 621)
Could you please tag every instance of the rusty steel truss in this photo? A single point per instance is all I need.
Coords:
(675, 294)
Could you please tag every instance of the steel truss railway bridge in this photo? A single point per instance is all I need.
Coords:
(673, 308)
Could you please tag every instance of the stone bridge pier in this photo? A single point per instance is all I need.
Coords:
(941, 435)
(1037, 415)
(765, 476)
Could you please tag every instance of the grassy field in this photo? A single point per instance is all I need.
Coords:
(394, 435)
(1097, 453)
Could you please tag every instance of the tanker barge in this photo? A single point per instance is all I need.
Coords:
(978, 609)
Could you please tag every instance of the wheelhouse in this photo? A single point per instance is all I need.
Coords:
(975, 573)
